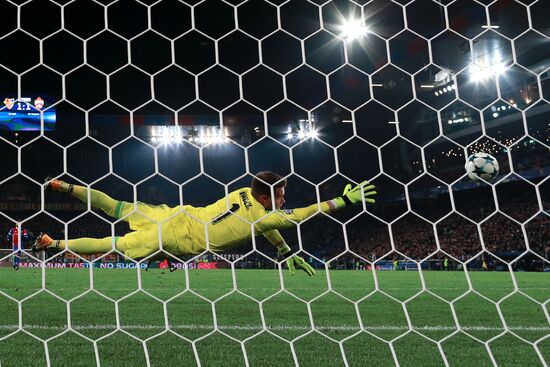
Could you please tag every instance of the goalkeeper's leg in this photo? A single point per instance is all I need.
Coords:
(113, 208)
(83, 246)
(135, 245)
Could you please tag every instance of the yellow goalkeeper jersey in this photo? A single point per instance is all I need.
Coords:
(234, 219)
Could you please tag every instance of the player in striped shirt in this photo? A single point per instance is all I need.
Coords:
(18, 239)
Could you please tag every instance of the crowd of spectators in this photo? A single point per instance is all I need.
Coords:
(458, 236)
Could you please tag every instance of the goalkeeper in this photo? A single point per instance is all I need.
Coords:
(181, 230)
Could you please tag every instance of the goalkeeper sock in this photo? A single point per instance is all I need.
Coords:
(58, 185)
(85, 246)
(111, 207)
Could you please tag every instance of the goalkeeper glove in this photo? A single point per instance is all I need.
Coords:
(296, 262)
(355, 195)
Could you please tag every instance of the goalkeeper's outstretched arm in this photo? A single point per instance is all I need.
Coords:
(280, 219)
(287, 218)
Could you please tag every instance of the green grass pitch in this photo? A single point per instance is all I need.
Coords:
(354, 324)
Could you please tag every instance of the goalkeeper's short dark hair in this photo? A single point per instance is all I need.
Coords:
(262, 182)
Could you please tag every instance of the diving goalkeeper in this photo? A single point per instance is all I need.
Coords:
(186, 230)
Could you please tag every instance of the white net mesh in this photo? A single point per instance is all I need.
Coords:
(183, 102)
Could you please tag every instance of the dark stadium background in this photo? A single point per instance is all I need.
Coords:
(131, 107)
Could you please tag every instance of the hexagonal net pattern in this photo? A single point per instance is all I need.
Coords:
(153, 110)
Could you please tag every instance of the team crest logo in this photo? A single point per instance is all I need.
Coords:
(9, 102)
(38, 103)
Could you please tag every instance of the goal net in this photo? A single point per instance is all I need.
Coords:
(176, 104)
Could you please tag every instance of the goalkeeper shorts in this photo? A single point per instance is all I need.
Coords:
(146, 222)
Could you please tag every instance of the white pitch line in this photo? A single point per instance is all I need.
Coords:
(278, 327)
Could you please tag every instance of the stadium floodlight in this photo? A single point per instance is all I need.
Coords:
(313, 134)
(171, 135)
(482, 72)
(353, 29)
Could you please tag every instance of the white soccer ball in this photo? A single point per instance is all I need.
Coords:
(481, 166)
